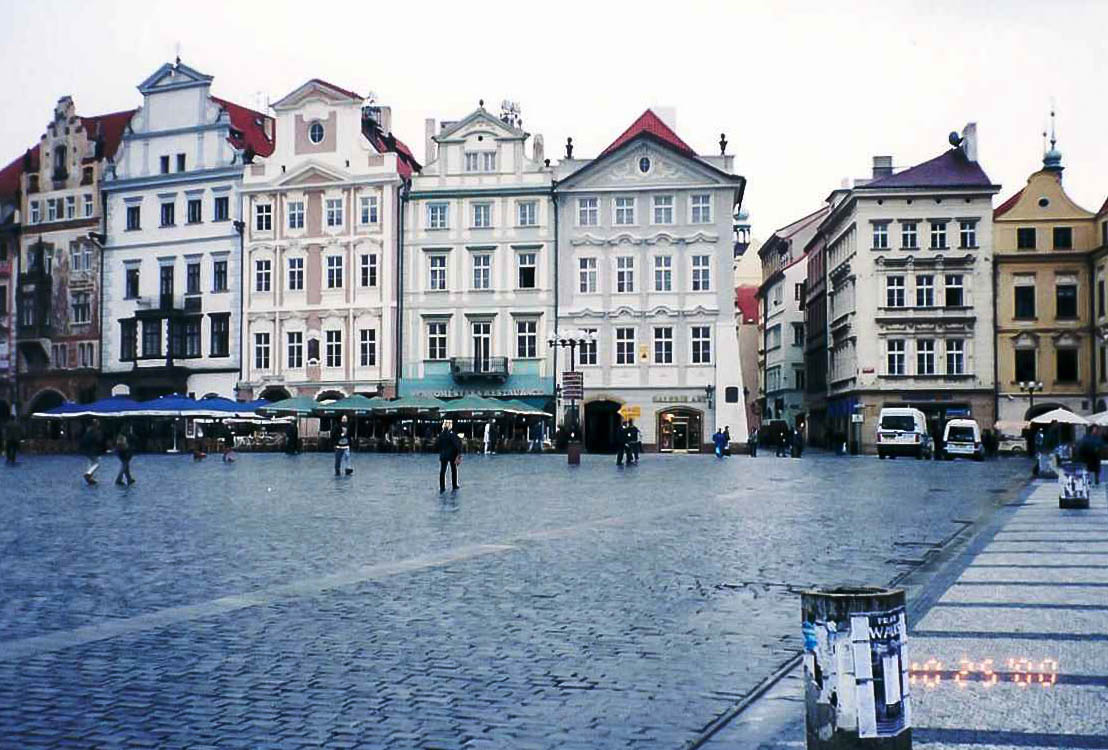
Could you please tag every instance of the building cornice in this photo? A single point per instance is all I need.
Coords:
(176, 178)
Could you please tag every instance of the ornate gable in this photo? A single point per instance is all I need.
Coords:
(479, 121)
(311, 174)
(644, 164)
(317, 90)
(174, 76)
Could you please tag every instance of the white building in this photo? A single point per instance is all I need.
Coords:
(782, 295)
(479, 264)
(172, 254)
(322, 237)
(909, 289)
(645, 252)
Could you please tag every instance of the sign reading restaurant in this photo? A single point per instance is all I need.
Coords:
(484, 392)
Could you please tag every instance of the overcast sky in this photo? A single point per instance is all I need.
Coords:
(807, 93)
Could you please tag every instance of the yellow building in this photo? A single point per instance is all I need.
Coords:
(1100, 314)
(1044, 301)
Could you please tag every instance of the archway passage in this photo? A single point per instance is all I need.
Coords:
(602, 422)
(680, 429)
(44, 401)
(275, 393)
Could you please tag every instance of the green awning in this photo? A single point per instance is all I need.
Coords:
(297, 405)
(356, 404)
(515, 406)
(473, 405)
(412, 404)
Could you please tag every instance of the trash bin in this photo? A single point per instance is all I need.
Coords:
(573, 453)
(856, 688)
(1073, 485)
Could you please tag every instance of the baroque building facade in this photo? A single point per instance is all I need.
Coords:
(322, 237)
(478, 272)
(645, 252)
(10, 190)
(172, 259)
(58, 296)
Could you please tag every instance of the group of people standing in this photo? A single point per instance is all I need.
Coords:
(628, 443)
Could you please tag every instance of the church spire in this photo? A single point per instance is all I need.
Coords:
(1052, 159)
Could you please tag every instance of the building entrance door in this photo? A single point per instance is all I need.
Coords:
(482, 345)
(679, 430)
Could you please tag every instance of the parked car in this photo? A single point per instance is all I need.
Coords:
(902, 431)
(1011, 438)
(962, 437)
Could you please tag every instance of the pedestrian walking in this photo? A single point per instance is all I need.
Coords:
(449, 448)
(1089, 449)
(634, 441)
(13, 436)
(622, 436)
(494, 436)
(92, 446)
(718, 440)
(798, 443)
(340, 438)
(488, 436)
(124, 452)
(292, 439)
(727, 445)
(535, 437)
(752, 443)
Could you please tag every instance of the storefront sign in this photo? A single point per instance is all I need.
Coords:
(484, 392)
(630, 412)
(573, 386)
(681, 399)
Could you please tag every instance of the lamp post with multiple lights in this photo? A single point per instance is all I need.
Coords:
(571, 340)
(1031, 387)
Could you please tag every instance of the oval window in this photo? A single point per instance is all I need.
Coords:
(1044, 202)
(315, 132)
(644, 165)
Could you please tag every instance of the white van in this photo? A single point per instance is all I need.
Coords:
(962, 437)
(903, 432)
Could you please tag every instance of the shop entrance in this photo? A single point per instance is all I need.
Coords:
(602, 423)
(679, 430)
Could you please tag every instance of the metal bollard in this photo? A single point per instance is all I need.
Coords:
(856, 669)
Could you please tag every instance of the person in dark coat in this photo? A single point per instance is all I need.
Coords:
(621, 443)
(124, 451)
(340, 438)
(449, 448)
(752, 443)
(292, 439)
(92, 446)
(1089, 449)
(727, 445)
(798, 443)
(13, 436)
(634, 442)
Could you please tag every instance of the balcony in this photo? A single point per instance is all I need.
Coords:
(479, 368)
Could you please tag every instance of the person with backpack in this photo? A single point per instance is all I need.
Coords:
(124, 453)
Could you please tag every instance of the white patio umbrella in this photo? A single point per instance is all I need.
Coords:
(1061, 416)
(1100, 419)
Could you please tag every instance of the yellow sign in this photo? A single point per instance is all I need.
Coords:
(630, 412)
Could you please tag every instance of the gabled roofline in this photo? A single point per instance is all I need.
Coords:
(482, 114)
(199, 79)
(318, 82)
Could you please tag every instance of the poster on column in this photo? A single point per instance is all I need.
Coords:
(881, 672)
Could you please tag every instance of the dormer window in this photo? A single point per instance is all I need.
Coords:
(315, 132)
(480, 161)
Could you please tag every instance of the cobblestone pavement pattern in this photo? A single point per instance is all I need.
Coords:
(266, 604)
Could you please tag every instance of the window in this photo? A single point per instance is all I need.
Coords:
(51, 210)
(701, 273)
(1025, 302)
(625, 274)
(333, 349)
(437, 215)
(1026, 368)
(625, 211)
(167, 214)
(1102, 364)
(294, 351)
(59, 354)
(702, 209)
(588, 213)
(369, 270)
(955, 357)
(81, 308)
(437, 266)
(296, 214)
(261, 351)
(368, 205)
(625, 346)
(488, 161)
(221, 335)
(773, 337)
(164, 165)
(527, 339)
(482, 270)
(192, 278)
(1104, 233)
(316, 133)
(334, 212)
(126, 340)
(219, 276)
(953, 290)
(296, 274)
(798, 376)
(967, 233)
(663, 209)
(36, 215)
(222, 208)
(925, 291)
(1067, 365)
(80, 256)
(87, 355)
(263, 217)
(587, 275)
(436, 340)
(663, 273)
(798, 334)
(1066, 299)
(166, 282)
(894, 291)
(151, 338)
(587, 349)
(527, 213)
(86, 175)
(880, 235)
(70, 206)
(925, 357)
(262, 270)
(473, 161)
(1025, 238)
(131, 283)
(663, 345)
(938, 235)
(194, 210)
(895, 357)
(482, 215)
(701, 345)
(1063, 238)
(180, 162)
(313, 351)
(1100, 298)
(527, 270)
(3, 299)
(192, 337)
(334, 272)
(367, 347)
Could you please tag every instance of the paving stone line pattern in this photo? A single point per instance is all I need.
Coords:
(606, 608)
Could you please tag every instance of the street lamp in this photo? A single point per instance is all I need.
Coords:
(708, 391)
(571, 340)
(1030, 387)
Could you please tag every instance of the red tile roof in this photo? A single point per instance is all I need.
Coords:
(1006, 206)
(746, 300)
(951, 169)
(1104, 208)
(248, 128)
(652, 125)
(109, 128)
(340, 89)
(9, 177)
(387, 142)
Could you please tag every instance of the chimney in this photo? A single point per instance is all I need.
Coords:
(384, 119)
(882, 166)
(537, 147)
(969, 141)
(429, 140)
